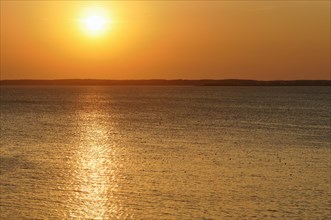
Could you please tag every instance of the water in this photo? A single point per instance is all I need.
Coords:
(165, 152)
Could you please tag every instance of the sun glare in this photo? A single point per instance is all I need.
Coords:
(96, 23)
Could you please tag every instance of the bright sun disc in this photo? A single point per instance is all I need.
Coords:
(95, 24)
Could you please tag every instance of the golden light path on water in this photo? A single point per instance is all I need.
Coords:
(164, 153)
(95, 166)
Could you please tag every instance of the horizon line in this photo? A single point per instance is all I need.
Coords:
(150, 79)
(163, 82)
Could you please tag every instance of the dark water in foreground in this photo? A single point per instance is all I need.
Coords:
(165, 152)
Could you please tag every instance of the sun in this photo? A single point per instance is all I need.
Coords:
(96, 23)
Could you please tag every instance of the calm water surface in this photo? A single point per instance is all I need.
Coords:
(165, 152)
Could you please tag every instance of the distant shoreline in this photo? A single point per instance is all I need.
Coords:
(163, 82)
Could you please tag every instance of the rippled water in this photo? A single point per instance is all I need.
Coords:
(165, 152)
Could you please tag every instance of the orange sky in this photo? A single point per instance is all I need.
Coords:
(166, 39)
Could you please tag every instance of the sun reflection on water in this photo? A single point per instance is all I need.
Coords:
(95, 168)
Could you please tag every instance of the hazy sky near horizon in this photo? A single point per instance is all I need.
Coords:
(263, 40)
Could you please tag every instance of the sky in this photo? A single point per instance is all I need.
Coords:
(263, 40)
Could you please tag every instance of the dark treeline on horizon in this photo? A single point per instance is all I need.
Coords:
(163, 82)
